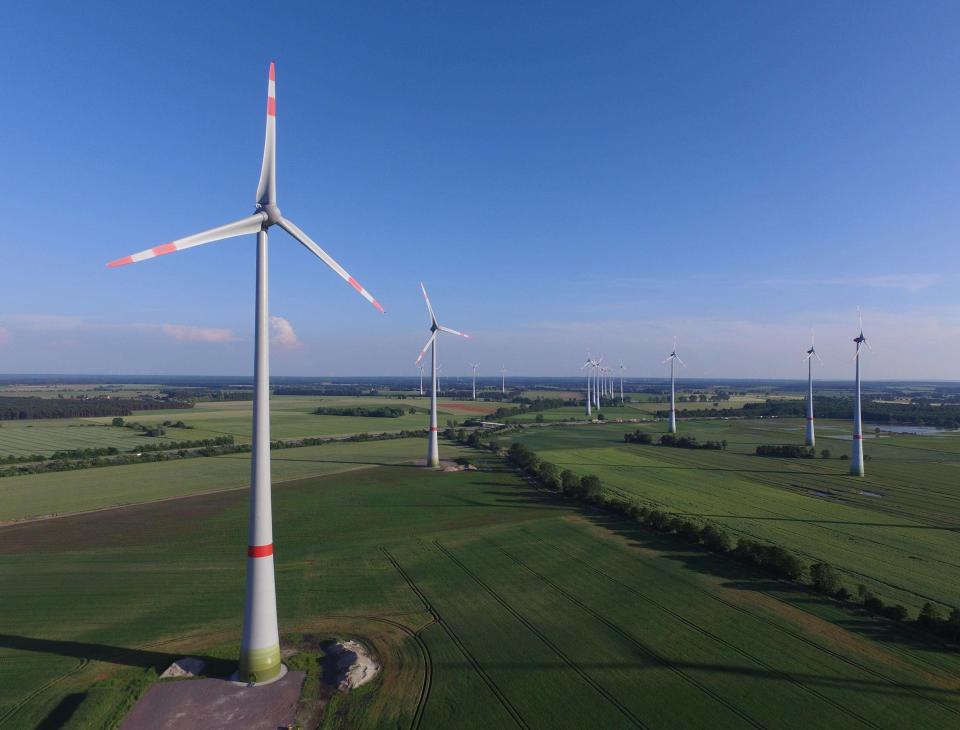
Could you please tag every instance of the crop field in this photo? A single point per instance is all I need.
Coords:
(489, 603)
(291, 417)
(66, 492)
(897, 530)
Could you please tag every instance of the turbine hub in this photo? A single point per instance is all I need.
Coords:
(272, 212)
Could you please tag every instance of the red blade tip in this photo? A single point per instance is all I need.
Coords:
(272, 72)
(120, 262)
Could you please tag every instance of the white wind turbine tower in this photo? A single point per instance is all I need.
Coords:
(674, 357)
(588, 366)
(856, 456)
(433, 452)
(260, 644)
(503, 380)
(474, 365)
(596, 382)
(811, 439)
(621, 382)
(421, 378)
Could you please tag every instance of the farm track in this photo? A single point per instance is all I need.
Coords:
(699, 629)
(763, 619)
(474, 663)
(623, 709)
(42, 688)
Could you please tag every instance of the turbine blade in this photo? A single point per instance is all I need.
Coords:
(290, 227)
(818, 356)
(250, 224)
(433, 336)
(452, 331)
(433, 317)
(680, 361)
(267, 188)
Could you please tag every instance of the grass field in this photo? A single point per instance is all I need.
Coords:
(291, 417)
(896, 530)
(491, 605)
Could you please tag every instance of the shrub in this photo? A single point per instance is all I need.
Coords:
(638, 437)
(549, 475)
(929, 616)
(873, 604)
(569, 483)
(896, 613)
(786, 451)
(591, 488)
(824, 578)
(715, 539)
(843, 594)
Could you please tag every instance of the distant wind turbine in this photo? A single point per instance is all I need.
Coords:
(433, 452)
(674, 357)
(474, 365)
(589, 365)
(421, 378)
(621, 382)
(260, 643)
(856, 456)
(503, 380)
(811, 439)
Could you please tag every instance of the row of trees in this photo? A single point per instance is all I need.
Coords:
(21, 408)
(690, 442)
(788, 451)
(915, 414)
(374, 412)
(771, 559)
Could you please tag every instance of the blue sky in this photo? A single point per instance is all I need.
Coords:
(564, 178)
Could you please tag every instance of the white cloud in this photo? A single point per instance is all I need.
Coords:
(4, 335)
(282, 334)
(189, 333)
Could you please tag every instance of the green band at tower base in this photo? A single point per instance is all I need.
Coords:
(260, 665)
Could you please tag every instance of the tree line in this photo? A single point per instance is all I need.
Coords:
(14, 408)
(374, 412)
(771, 559)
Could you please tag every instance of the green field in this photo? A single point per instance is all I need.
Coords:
(66, 492)
(895, 531)
(291, 417)
(490, 604)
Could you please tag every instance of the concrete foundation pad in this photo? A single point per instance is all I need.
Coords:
(217, 703)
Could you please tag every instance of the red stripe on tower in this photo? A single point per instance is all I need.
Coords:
(260, 551)
(434, 429)
(858, 437)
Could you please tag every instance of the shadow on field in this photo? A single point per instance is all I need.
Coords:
(358, 462)
(64, 710)
(142, 658)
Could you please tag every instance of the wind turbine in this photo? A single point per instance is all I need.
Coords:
(674, 357)
(596, 382)
(260, 643)
(811, 353)
(421, 379)
(588, 366)
(474, 365)
(621, 382)
(856, 456)
(433, 452)
(503, 380)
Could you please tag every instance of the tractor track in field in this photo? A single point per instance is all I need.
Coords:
(699, 629)
(458, 642)
(14, 709)
(763, 619)
(623, 709)
(646, 650)
(424, 652)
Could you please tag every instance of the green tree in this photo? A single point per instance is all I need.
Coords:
(118, 421)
